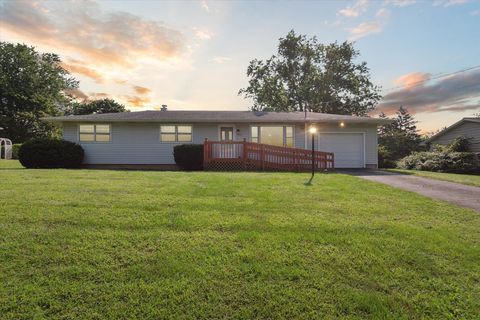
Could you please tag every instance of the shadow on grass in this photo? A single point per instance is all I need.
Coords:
(309, 182)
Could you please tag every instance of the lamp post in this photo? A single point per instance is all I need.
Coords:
(313, 130)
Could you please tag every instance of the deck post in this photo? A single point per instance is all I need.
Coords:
(262, 156)
(205, 153)
(295, 165)
(244, 154)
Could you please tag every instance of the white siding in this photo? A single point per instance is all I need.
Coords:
(139, 143)
(467, 129)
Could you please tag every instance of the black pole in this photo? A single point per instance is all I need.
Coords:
(313, 155)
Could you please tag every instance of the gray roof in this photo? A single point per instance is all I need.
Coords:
(215, 116)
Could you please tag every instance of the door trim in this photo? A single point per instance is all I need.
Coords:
(363, 133)
(219, 134)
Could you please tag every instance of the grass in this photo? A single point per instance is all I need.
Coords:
(92, 244)
(468, 179)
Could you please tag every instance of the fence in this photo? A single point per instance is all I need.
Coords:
(242, 155)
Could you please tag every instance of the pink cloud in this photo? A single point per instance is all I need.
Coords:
(412, 79)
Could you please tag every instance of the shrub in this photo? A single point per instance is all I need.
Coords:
(50, 153)
(459, 144)
(189, 156)
(385, 157)
(455, 162)
(15, 149)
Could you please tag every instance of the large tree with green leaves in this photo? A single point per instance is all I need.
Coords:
(398, 139)
(97, 106)
(308, 75)
(32, 86)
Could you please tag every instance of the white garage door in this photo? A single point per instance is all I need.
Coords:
(348, 148)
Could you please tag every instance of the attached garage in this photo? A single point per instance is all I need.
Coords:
(348, 147)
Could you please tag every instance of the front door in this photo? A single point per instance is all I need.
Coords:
(226, 133)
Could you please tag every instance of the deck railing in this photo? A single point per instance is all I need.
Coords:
(242, 155)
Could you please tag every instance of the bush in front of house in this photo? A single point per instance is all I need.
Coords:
(452, 158)
(459, 144)
(50, 153)
(454, 162)
(189, 156)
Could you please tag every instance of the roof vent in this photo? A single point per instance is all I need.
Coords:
(164, 107)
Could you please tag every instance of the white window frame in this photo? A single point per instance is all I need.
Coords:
(275, 125)
(176, 125)
(95, 132)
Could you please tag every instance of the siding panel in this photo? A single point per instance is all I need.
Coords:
(139, 143)
(467, 129)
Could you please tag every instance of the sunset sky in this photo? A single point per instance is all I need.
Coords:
(194, 54)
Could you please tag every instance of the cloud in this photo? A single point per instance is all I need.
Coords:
(412, 79)
(141, 90)
(364, 29)
(120, 81)
(98, 95)
(136, 101)
(114, 38)
(203, 34)
(401, 3)
(78, 67)
(77, 94)
(355, 10)
(382, 13)
(205, 6)
(221, 60)
(449, 3)
(370, 27)
(459, 92)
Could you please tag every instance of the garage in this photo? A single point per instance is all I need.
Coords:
(348, 148)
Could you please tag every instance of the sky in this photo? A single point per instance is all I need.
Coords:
(193, 55)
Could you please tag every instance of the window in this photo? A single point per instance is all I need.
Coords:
(254, 134)
(176, 133)
(94, 132)
(289, 137)
(274, 135)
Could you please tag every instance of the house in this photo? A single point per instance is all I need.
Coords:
(147, 138)
(467, 127)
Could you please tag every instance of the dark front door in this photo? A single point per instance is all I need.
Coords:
(226, 133)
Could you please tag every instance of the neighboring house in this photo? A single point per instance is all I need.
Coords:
(148, 137)
(467, 127)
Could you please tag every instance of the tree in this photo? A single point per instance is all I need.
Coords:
(32, 86)
(97, 106)
(398, 139)
(306, 75)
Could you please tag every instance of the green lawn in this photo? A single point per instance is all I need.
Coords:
(469, 179)
(93, 244)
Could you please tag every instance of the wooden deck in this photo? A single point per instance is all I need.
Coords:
(242, 156)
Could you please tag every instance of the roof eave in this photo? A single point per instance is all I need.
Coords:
(369, 121)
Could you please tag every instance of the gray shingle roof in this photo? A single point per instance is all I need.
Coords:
(214, 116)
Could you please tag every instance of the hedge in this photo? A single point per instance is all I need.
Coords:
(454, 162)
(189, 156)
(50, 153)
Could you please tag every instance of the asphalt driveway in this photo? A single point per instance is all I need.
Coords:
(459, 194)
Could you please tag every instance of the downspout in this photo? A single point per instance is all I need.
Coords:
(305, 129)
